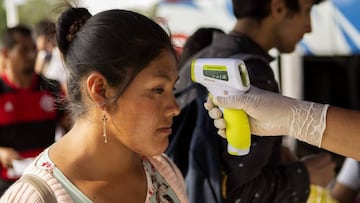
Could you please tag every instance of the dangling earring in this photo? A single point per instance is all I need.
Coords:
(104, 120)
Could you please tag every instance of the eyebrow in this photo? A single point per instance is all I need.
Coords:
(162, 74)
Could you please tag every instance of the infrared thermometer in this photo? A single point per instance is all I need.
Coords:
(225, 77)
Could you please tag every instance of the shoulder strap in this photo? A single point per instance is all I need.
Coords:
(171, 174)
(170, 163)
(46, 194)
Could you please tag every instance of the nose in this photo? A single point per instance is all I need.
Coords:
(174, 108)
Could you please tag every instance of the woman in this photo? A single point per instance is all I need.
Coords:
(121, 73)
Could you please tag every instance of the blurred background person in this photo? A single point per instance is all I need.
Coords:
(48, 61)
(2, 65)
(197, 41)
(29, 105)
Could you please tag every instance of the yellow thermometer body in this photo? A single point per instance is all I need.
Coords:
(224, 77)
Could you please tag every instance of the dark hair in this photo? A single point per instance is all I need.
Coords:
(45, 28)
(8, 38)
(200, 39)
(116, 43)
(259, 9)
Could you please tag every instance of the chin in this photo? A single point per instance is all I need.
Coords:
(154, 151)
(161, 148)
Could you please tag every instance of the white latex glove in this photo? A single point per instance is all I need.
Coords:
(216, 114)
(273, 114)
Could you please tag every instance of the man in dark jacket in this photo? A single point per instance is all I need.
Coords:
(212, 175)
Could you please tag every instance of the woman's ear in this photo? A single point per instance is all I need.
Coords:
(96, 86)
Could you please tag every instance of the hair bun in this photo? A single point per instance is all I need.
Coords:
(74, 28)
(69, 23)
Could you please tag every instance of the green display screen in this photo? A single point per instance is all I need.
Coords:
(216, 72)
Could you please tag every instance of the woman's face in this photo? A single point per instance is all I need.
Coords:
(146, 109)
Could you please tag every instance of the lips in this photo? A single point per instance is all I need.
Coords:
(166, 130)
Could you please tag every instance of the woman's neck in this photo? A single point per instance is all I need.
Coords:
(88, 151)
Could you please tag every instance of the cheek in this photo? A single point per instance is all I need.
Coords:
(135, 120)
(138, 131)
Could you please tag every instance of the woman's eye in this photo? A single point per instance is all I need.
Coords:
(158, 90)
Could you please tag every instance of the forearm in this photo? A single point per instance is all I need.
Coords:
(342, 132)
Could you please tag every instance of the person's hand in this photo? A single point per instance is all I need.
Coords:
(321, 168)
(273, 114)
(7, 155)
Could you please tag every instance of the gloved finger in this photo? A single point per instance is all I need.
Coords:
(209, 104)
(222, 133)
(220, 123)
(215, 113)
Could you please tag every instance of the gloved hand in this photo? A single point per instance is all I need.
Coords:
(216, 114)
(273, 114)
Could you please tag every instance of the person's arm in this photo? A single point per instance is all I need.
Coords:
(335, 129)
(342, 132)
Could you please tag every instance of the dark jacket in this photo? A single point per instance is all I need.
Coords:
(211, 174)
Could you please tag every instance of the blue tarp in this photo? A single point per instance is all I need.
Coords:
(336, 25)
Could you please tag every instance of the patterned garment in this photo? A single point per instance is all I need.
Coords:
(159, 190)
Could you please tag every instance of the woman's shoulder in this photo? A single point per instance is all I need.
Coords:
(21, 192)
(25, 190)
